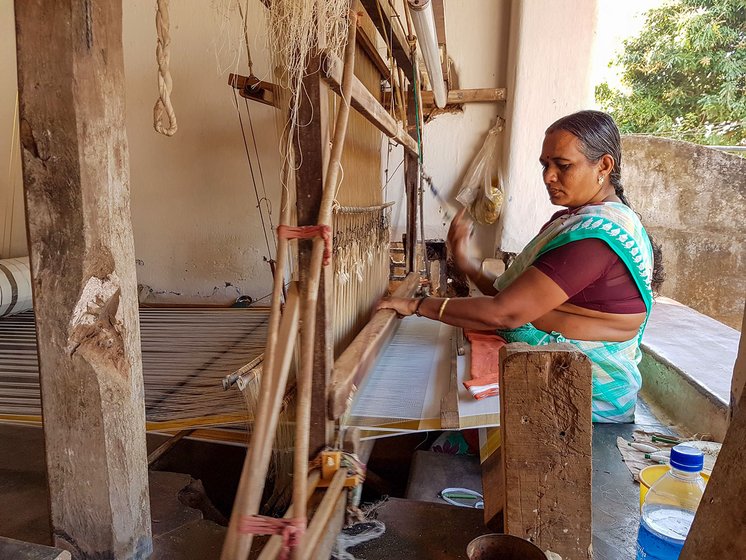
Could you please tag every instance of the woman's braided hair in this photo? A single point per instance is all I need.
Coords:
(599, 135)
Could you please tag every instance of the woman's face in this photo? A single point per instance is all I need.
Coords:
(571, 179)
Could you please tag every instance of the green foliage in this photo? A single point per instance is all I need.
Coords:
(686, 74)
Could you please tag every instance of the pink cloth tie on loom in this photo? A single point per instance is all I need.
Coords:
(291, 530)
(485, 363)
(309, 232)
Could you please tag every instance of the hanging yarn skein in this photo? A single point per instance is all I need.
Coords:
(163, 107)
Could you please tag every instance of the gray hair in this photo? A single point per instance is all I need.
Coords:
(598, 135)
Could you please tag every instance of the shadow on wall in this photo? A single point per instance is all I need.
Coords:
(692, 199)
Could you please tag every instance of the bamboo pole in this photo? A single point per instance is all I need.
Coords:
(321, 517)
(308, 325)
(272, 389)
(274, 544)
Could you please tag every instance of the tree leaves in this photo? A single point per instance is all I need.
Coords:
(685, 74)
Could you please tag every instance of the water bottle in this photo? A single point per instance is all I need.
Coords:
(670, 505)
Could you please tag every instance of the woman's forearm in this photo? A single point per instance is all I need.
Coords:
(478, 313)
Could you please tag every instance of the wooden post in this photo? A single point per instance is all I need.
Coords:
(545, 417)
(76, 183)
(718, 528)
(311, 143)
(412, 178)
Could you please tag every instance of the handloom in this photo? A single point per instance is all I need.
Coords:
(419, 359)
(185, 352)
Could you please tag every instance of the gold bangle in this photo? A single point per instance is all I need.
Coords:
(443, 308)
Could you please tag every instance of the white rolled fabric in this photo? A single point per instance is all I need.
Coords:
(15, 286)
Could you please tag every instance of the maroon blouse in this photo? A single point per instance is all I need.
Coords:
(592, 275)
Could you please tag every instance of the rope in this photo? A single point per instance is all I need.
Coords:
(309, 232)
(163, 107)
(338, 209)
(291, 530)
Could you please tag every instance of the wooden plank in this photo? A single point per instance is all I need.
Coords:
(390, 28)
(76, 182)
(167, 445)
(718, 528)
(412, 179)
(493, 490)
(545, 417)
(449, 418)
(312, 141)
(460, 96)
(739, 372)
(369, 47)
(440, 21)
(255, 89)
(366, 104)
(361, 355)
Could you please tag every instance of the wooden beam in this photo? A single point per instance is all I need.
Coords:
(717, 531)
(493, 489)
(389, 25)
(367, 105)
(412, 177)
(440, 21)
(76, 181)
(369, 47)
(449, 418)
(251, 87)
(361, 355)
(312, 141)
(545, 418)
(460, 96)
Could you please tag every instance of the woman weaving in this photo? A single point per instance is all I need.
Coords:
(586, 278)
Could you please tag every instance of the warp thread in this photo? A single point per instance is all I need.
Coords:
(291, 530)
(309, 232)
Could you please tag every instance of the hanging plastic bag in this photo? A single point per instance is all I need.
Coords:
(481, 191)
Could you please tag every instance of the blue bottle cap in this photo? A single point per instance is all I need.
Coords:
(687, 458)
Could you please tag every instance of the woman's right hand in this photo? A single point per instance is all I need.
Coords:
(458, 238)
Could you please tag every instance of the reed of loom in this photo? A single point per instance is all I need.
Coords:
(308, 325)
(238, 545)
(361, 264)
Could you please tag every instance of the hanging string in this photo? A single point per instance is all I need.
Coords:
(163, 107)
(245, 22)
(253, 177)
(10, 208)
(264, 198)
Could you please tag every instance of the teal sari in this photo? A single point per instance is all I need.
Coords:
(616, 377)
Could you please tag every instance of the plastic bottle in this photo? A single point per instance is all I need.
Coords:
(670, 505)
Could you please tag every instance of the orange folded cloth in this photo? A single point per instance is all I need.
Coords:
(485, 363)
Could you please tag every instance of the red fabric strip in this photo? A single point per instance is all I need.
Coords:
(309, 232)
(291, 530)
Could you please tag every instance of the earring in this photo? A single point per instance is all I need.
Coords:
(600, 179)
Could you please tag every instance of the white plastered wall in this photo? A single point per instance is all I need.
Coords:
(548, 77)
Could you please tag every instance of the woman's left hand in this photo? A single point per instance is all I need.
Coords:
(403, 306)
